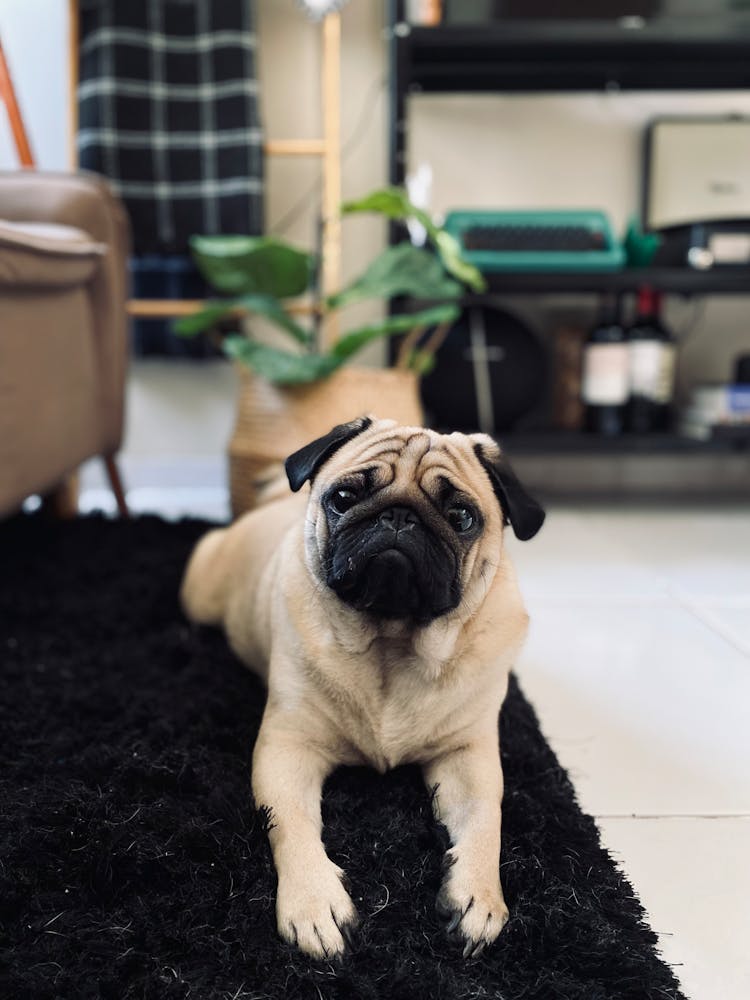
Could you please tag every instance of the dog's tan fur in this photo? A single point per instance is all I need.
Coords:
(345, 689)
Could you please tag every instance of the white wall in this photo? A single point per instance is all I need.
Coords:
(34, 37)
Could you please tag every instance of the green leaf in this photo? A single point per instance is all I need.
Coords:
(280, 367)
(286, 368)
(266, 305)
(256, 305)
(450, 253)
(205, 319)
(236, 265)
(399, 270)
(394, 203)
(355, 340)
(421, 362)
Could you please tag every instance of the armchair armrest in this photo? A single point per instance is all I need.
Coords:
(84, 201)
(81, 200)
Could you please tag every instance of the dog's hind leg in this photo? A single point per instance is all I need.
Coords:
(203, 593)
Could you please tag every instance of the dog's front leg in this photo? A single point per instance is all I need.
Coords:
(468, 788)
(313, 909)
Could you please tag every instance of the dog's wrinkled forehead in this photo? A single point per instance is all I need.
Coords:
(394, 456)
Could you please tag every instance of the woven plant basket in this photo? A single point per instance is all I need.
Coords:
(273, 421)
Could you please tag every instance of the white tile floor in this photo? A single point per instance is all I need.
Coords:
(638, 664)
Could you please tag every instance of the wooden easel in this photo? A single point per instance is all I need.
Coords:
(17, 127)
(328, 148)
(62, 501)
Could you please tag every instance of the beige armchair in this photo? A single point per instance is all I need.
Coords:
(63, 331)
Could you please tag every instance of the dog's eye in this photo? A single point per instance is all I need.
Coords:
(342, 499)
(460, 518)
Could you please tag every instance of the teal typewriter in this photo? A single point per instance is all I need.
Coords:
(536, 241)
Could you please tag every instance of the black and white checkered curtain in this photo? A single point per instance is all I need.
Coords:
(168, 110)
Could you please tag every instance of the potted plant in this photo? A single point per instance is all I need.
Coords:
(292, 393)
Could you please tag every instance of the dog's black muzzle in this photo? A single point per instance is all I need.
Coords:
(391, 566)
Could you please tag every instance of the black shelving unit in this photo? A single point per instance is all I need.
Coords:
(579, 443)
(529, 57)
(674, 280)
(524, 57)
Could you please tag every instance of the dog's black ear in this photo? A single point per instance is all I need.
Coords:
(303, 464)
(520, 510)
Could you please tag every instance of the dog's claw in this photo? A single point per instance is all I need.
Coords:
(347, 929)
(318, 921)
(473, 949)
(452, 915)
(469, 924)
(319, 936)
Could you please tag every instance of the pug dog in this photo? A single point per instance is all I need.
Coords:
(382, 611)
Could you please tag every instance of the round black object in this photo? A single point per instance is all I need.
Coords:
(489, 372)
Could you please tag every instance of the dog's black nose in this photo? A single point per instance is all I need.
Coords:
(398, 518)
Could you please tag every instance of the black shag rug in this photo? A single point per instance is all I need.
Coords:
(132, 864)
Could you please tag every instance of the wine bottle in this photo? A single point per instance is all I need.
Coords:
(651, 350)
(604, 388)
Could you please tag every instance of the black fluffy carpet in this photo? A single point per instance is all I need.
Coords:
(132, 863)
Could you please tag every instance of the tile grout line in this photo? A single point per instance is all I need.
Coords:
(710, 621)
(721, 815)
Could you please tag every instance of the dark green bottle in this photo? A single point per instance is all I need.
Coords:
(652, 351)
(605, 382)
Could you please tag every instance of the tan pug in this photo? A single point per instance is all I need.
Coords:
(382, 611)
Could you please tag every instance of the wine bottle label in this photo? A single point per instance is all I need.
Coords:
(605, 375)
(652, 365)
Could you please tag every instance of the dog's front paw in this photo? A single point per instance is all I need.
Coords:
(473, 911)
(314, 911)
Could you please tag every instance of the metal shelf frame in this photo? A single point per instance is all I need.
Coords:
(516, 57)
(671, 280)
(558, 442)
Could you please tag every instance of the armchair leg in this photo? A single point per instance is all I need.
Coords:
(115, 482)
(61, 503)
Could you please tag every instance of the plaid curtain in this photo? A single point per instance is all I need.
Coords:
(168, 112)
(168, 109)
